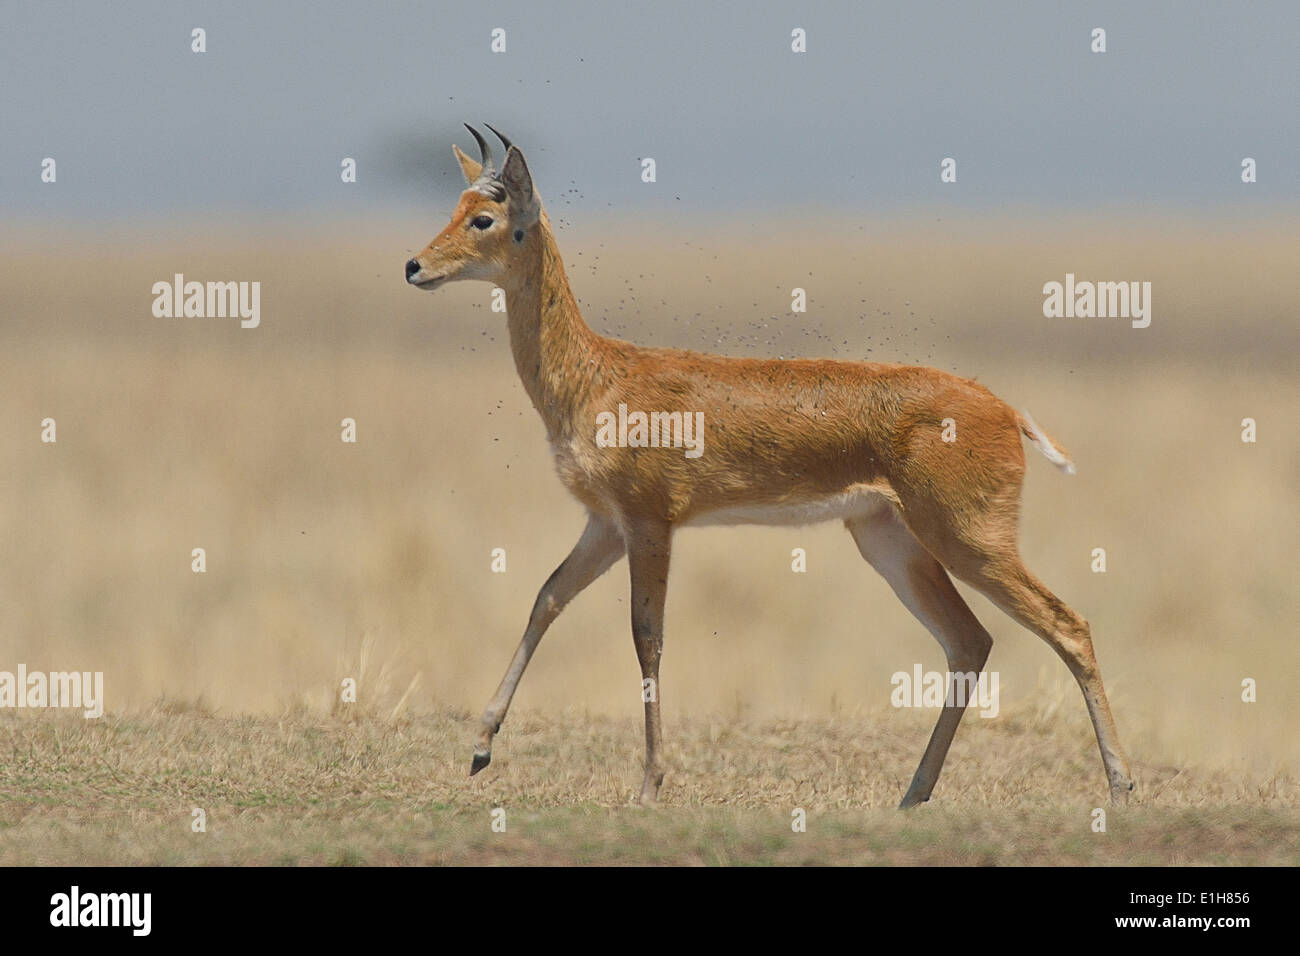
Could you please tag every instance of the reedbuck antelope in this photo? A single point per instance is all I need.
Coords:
(789, 442)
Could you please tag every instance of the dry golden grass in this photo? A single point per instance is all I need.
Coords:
(297, 789)
(328, 560)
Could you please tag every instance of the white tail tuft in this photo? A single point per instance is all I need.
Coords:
(1051, 451)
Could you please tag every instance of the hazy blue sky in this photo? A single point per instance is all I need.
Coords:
(141, 126)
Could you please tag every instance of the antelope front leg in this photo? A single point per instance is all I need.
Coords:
(598, 548)
(649, 544)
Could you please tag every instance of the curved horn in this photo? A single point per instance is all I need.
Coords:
(489, 167)
(504, 142)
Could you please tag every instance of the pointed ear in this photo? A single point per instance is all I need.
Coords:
(471, 168)
(518, 180)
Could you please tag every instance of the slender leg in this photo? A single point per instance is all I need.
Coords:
(1011, 586)
(925, 589)
(598, 548)
(649, 544)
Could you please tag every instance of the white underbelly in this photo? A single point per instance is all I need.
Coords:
(855, 502)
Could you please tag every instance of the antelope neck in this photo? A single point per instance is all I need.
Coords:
(557, 356)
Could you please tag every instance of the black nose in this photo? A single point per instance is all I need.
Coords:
(412, 267)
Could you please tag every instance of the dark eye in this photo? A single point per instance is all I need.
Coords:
(481, 222)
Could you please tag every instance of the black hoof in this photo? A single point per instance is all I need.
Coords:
(480, 761)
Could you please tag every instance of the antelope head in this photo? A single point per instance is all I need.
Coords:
(492, 224)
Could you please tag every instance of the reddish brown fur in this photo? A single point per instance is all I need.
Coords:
(777, 432)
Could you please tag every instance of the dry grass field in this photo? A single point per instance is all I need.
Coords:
(296, 789)
(328, 560)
